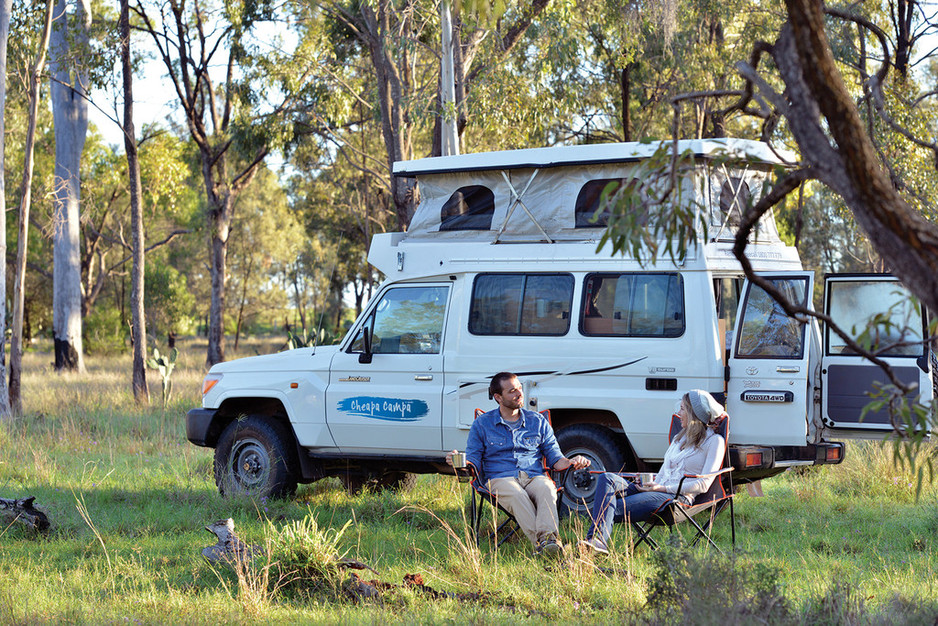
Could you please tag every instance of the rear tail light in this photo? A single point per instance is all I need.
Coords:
(834, 454)
(753, 459)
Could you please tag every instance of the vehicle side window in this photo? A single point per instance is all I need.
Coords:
(469, 208)
(765, 329)
(861, 308)
(521, 304)
(406, 320)
(633, 305)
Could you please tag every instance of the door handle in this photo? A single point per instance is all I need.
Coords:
(423, 377)
(787, 370)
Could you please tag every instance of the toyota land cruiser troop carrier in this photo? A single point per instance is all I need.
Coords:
(500, 271)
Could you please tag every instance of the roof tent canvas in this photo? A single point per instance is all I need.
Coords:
(532, 193)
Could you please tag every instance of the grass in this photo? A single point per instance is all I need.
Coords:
(129, 497)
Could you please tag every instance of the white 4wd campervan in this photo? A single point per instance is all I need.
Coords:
(500, 271)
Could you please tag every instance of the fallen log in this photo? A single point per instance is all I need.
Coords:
(22, 511)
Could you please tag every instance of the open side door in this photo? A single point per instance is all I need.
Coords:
(848, 379)
(767, 389)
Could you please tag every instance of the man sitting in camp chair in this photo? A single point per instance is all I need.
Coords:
(508, 445)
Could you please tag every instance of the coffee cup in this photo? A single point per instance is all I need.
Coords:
(459, 460)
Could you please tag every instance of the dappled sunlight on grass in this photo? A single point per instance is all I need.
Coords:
(842, 542)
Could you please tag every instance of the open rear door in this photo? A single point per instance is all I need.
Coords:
(767, 390)
(852, 300)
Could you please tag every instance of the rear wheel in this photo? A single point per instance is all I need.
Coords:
(602, 447)
(398, 481)
(392, 481)
(254, 458)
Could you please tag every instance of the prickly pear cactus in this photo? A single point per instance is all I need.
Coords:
(164, 364)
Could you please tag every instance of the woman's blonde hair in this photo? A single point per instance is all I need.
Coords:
(695, 431)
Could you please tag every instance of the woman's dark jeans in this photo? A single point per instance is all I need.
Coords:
(617, 497)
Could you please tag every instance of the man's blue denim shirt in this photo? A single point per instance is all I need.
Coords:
(498, 452)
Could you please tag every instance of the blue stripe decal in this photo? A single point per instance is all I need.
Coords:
(388, 409)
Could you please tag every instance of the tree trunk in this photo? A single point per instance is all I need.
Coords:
(846, 160)
(244, 297)
(16, 341)
(216, 323)
(138, 318)
(70, 114)
(6, 7)
(625, 86)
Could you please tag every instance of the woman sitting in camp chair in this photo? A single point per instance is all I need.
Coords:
(695, 450)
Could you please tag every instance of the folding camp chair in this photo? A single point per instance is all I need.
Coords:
(712, 502)
(480, 493)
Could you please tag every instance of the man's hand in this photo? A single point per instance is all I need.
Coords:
(578, 462)
(449, 457)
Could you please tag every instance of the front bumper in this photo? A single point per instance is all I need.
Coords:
(199, 426)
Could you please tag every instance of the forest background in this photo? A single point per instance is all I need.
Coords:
(273, 169)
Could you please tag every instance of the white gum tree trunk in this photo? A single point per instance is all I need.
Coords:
(70, 115)
(6, 7)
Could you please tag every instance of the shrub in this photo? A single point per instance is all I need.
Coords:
(689, 586)
(104, 332)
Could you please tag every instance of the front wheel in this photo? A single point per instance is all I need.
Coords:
(606, 454)
(253, 458)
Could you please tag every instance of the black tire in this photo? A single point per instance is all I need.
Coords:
(602, 447)
(254, 458)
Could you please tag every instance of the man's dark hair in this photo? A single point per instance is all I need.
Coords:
(497, 382)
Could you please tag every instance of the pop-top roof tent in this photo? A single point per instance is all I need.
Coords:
(552, 194)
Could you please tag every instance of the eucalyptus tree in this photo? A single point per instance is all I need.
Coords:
(68, 90)
(138, 324)
(855, 133)
(167, 202)
(6, 7)
(266, 240)
(16, 341)
(205, 48)
(395, 48)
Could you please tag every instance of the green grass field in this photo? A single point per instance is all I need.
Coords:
(129, 497)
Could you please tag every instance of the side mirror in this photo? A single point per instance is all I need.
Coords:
(365, 357)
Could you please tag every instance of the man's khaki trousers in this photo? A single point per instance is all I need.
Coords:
(532, 500)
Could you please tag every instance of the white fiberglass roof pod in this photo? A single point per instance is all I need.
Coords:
(552, 194)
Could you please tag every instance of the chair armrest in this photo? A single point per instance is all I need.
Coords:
(717, 473)
(680, 485)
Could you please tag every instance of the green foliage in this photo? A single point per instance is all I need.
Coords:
(705, 589)
(104, 331)
(307, 554)
(168, 301)
(322, 337)
(164, 364)
(656, 213)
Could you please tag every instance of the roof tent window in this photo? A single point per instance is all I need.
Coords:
(589, 202)
(735, 197)
(469, 208)
(589, 199)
